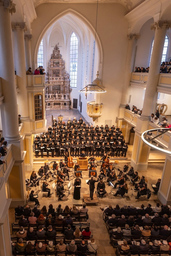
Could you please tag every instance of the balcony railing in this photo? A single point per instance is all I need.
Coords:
(164, 82)
(9, 161)
(130, 117)
(35, 80)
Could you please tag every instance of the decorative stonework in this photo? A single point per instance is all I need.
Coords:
(57, 94)
(19, 25)
(9, 5)
(133, 36)
(161, 24)
(28, 36)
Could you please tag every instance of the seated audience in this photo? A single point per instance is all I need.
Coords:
(61, 247)
(92, 246)
(68, 233)
(77, 233)
(86, 233)
(20, 246)
(31, 234)
(30, 249)
(41, 233)
(22, 233)
(41, 220)
(50, 247)
(51, 233)
(72, 247)
(40, 247)
(32, 219)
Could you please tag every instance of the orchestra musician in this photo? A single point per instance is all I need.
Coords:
(33, 198)
(122, 190)
(120, 181)
(60, 191)
(77, 188)
(46, 189)
(33, 179)
(101, 188)
(41, 171)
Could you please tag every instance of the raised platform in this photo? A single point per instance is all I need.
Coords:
(88, 201)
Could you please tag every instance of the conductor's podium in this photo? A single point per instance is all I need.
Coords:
(83, 163)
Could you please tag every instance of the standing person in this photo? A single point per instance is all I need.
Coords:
(91, 183)
(77, 187)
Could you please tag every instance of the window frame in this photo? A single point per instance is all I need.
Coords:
(38, 107)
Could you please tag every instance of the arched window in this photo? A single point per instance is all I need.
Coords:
(38, 103)
(40, 55)
(73, 60)
(164, 54)
(165, 47)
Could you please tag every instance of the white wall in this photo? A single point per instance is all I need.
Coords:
(144, 45)
(136, 96)
(112, 31)
(166, 99)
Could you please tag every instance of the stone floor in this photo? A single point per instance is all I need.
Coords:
(67, 114)
(97, 225)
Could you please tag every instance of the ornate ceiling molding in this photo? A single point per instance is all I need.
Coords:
(19, 25)
(133, 36)
(9, 5)
(161, 24)
(129, 4)
(28, 36)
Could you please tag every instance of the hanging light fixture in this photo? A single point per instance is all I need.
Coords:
(96, 86)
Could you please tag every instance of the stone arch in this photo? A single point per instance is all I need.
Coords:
(85, 21)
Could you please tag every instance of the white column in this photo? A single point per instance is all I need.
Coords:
(153, 76)
(5, 238)
(9, 107)
(128, 68)
(28, 38)
(140, 153)
(20, 67)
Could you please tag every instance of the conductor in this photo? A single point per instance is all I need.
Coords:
(91, 183)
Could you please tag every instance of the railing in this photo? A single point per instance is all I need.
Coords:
(35, 80)
(139, 77)
(163, 139)
(130, 117)
(164, 82)
(9, 161)
(56, 97)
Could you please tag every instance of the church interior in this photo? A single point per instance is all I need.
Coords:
(85, 118)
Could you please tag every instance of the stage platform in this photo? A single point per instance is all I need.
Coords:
(87, 200)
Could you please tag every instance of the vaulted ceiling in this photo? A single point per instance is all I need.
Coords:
(129, 4)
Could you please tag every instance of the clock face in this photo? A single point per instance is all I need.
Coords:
(155, 138)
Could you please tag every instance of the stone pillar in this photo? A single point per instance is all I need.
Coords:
(28, 38)
(9, 107)
(153, 76)
(141, 151)
(127, 76)
(164, 193)
(132, 38)
(20, 67)
(5, 238)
